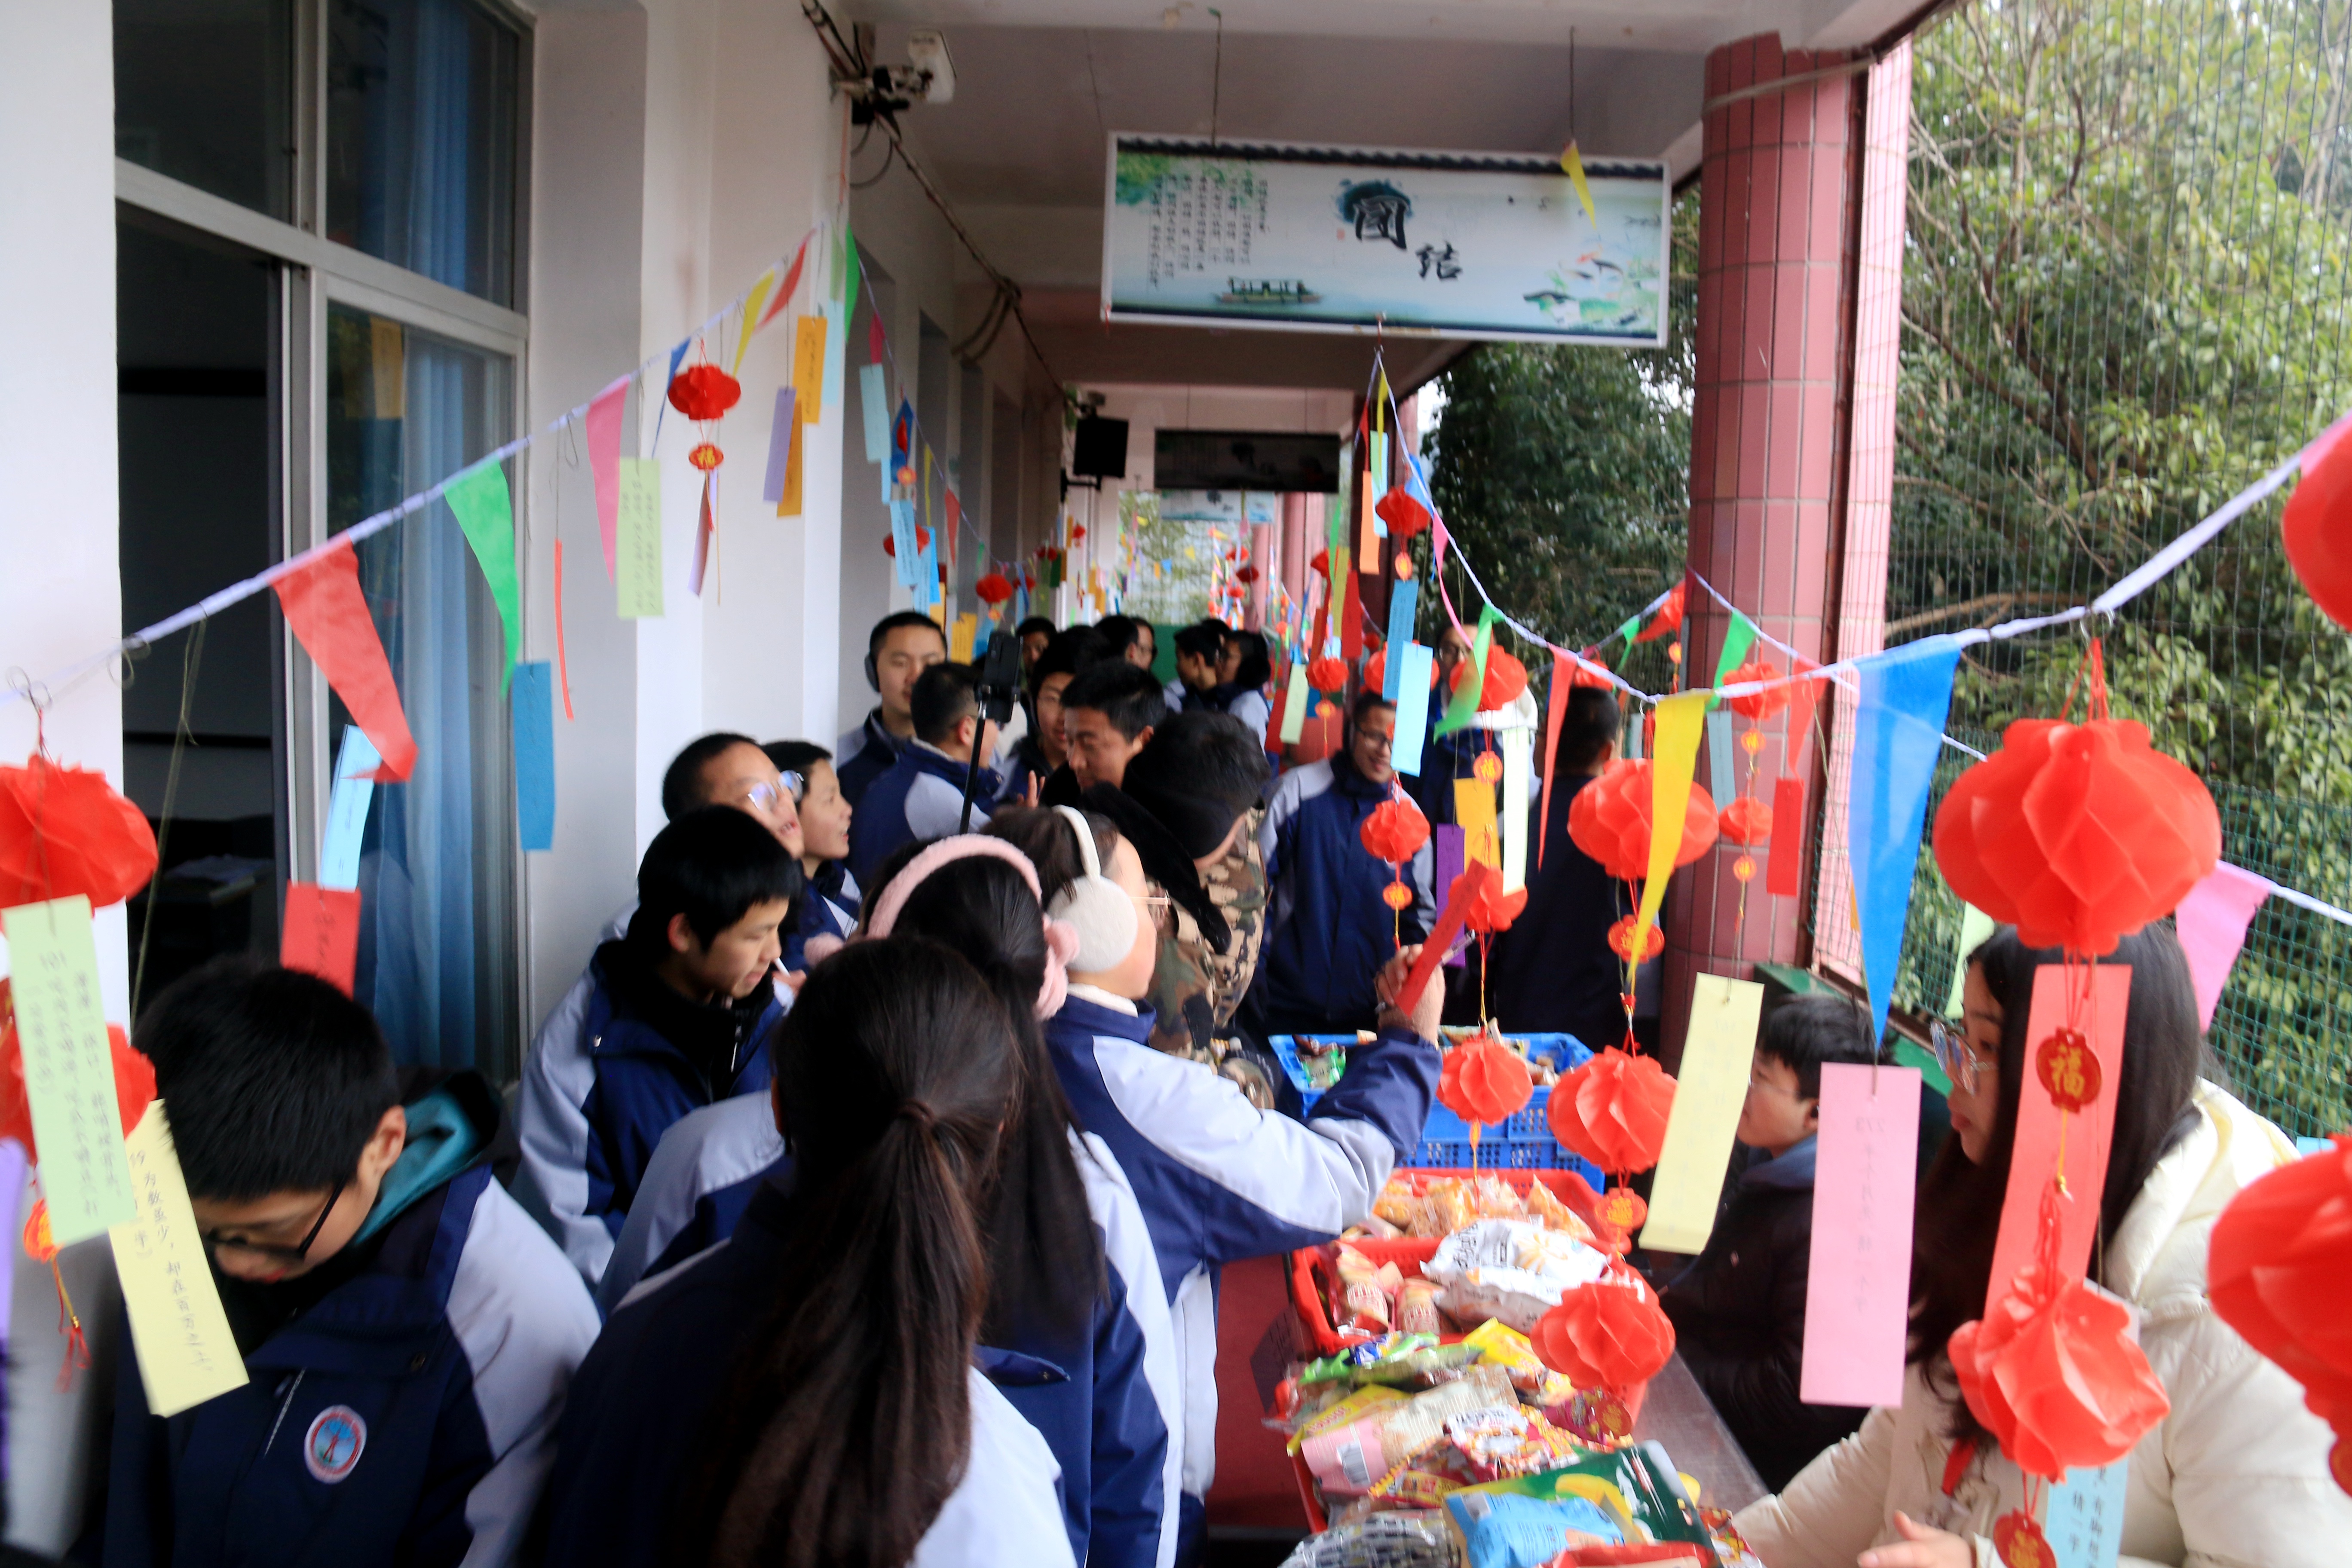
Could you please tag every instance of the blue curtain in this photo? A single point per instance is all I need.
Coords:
(415, 199)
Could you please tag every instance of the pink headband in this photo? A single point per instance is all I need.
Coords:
(882, 914)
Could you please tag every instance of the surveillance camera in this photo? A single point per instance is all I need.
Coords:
(927, 52)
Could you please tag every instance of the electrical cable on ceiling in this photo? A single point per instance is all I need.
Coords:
(1217, 77)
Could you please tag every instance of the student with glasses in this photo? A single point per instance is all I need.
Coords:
(409, 1333)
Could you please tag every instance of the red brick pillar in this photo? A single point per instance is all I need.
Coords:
(1800, 227)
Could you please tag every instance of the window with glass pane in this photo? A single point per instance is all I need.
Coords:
(406, 409)
(421, 110)
(204, 92)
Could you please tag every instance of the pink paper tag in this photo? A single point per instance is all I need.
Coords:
(2211, 922)
(604, 459)
(1858, 1297)
(2089, 1132)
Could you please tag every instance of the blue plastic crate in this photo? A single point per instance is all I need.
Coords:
(1523, 1143)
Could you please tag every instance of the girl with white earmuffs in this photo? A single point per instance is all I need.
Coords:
(1219, 1180)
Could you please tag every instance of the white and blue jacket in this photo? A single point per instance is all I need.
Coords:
(1218, 1180)
(1327, 931)
(648, 1391)
(828, 906)
(863, 755)
(919, 798)
(602, 1083)
(406, 1416)
(1114, 1417)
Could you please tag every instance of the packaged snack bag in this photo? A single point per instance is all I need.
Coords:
(1347, 1459)
(1511, 1349)
(1399, 1540)
(1509, 1270)
(1545, 1209)
(1504, 1530)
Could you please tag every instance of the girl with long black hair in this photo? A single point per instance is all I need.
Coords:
(806, 1396)
(2238, 1472)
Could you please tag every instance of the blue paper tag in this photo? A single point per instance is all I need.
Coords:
(1412, 707)
(902, 540)
(534, 754)
(873, 401)
(2086, 1516)
(347, 810)
(1721, 776)
(1402, 597)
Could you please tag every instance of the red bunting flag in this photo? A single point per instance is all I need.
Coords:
(1563, 681)
(791, 281)
(329, 615)
(874, 343)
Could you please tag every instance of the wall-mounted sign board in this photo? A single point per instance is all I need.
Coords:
(1243, 460)
(1463, 245)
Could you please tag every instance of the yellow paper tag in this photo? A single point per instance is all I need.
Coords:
(68, 1067)
(1709, 1089)
(186, 1353)
(960, 638)
(808, 368)
(1473, 812)
(789, 503)
(637, 576)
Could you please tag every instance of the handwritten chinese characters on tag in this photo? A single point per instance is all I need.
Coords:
(68, 1068)
(186, 1353)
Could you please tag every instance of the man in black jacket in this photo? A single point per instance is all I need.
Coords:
(1739, 1310)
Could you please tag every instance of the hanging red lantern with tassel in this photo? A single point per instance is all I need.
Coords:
(890, 545)
(65, 830)
(2053, 1371)
(1485, 1083)
(1746, 821)
(1395, 832)
(1610, 820)
(704, 392)
(1328, 675)
(1611, 1334)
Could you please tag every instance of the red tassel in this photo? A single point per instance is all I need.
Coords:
(562, 665)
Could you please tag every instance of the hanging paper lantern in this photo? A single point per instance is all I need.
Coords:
(1608, 1334)
(1485, 1081)
(1610, 820)
(890, 544)
(1246, 574)
(992, 589)
(1078, 532)
(1669, 618)
(2076, 833)
(1395, 830)
(1402, 511)
(134, 1081)
(2317, 527)
(1491, 911)
(65, 830)
(2279, 1271)
(1505, 678)
(704, 391)
(1612, 1111)
(2053, 1372)
(1746, 821)
(1328, 675)
(1758, 705)
(1620, 940)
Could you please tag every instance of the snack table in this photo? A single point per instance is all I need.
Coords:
(1677, 1415)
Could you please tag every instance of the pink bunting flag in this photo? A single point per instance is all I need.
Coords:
(604, 459)
(2212, 922)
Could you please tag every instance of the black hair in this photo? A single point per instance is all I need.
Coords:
(1124, 693)
(944, 695)
(710, 865)
(1960, 1200)
(1045, 1260)
(1198, 772)
(1068, 652)
(796, 756)
(1121, 632)
(1804, 1032)
(682, 787)
(892, 622)
(1366, 700)
(274, 1078)
(1257, 665)
(1587, 728)
(1033, 623)
(1045, 835)
(848, 1422)
(1202, 639)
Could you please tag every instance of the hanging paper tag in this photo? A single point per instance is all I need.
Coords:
(1412, 708)
(485, 515)
(808, 366)
(69, 1066)
(789, 503)
(322, 933)
(1368, 546)
(534, 756)
(1376, 472)
(1710, 1087)
(2085, 1513)
(1447, 859)
(1518, 747)
(960, 637)
(1720, 778)
(1857, 1308)
(347, 810)
(874, 406)
(1402, 598)
(638, 583)
(1787, 866)
(904, 549)
(1294, 706)
(186, 1353)
(2089, 1132)
(780, 445)
(1474, 808)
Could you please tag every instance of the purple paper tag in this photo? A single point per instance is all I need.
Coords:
(1446, 849)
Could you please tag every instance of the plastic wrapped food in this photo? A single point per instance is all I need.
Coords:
(1545, 1208)
(1399, 1540)
(1509, 1270)
(1348, 1459)
(1507, 1440)
(1367, 1292)
(1507, 1348)
(1500, 1530)
(1416, 1308)
(1334, 1406)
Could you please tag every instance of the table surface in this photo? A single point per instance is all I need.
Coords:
(1678, 1414)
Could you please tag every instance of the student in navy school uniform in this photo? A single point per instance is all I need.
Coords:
(829, 898)
(1219, 1180)
(898, 651)
(922, 795)
(1042, 747)
(813, 1392)
(409, 1333)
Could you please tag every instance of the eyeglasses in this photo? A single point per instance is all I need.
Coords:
(298, 1253)
(1955, 1055)
(767, 796)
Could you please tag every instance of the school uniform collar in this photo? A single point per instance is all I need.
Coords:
(928, 758)
(1091, 1010)
(879, 733)
(1349, 780)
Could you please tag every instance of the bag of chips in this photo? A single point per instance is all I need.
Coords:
(1509, 1270)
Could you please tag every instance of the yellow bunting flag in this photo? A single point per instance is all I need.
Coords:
(1573, 164)
(960, 637)
(752, 303)
(637, 547)
(1473, 811)
(186, 1353)
(69, 1066)
(1673, 760)
(1709, 1088)
(808, 367)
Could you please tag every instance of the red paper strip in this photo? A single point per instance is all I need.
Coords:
(955, 517)
(702, 530)
(1563, 679)
(1786, 867)
(323, 932)
(1351, 616)
(562, 665)
(791, 281)
(1467, 888)
(604, 459)
(873, 334)
(329, 615)
(2089, 1133)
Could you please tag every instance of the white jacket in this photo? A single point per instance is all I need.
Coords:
(2235, 1476)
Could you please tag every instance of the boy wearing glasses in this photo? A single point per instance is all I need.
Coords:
(1738, 1310)
(408, 1331)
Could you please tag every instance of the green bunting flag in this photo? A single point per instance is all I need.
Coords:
(1464, 704)
(486, 514)
(1737, 641)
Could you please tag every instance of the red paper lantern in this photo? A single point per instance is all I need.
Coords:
(2279, 1271)
(2317, 527)
(1490, 909)
(1078, 532)
(1505, 678)
(64, 831)
(1620, 940)
(1608, 1334)
(1485, 1081)
(1328, 675)
(1403, 512)
(2076, 833)
(1612, 1111)
(1246, 574)
(704, 391)
(2055, 1374)
(1746, 821)
(890, 543)
(992, 589)
(1610, 820)
(1759, 704)
(1395, 830)
(134, 1081)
